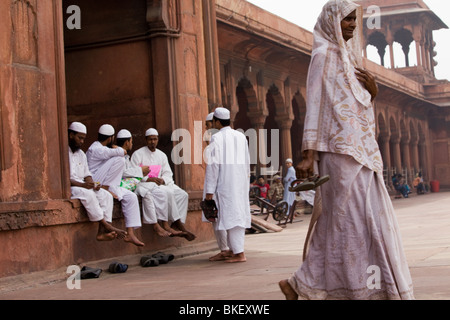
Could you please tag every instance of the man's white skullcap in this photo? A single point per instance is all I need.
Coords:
(124, 134)
(210, 116)
(106, 130)
(78, 127)
(151, 132)
(289, 160)
(222, 113)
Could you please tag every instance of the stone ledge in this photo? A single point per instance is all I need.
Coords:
(21, 215)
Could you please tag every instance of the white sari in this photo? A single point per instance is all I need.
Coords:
(353, 231)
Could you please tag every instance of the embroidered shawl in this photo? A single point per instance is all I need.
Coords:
(340, 116)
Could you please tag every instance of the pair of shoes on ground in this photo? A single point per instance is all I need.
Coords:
(92, 273)
(156, 259)
(309, 183)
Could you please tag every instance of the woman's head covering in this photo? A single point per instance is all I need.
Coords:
(328, 39)
(339, 114)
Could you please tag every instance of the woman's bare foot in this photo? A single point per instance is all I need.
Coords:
(222, 255)
(287, 290)
(240, 257)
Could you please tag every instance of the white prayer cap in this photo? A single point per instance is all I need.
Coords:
(124, 134)
(78, 127)
(106, 130)
(289, 160)
(151, 132)
(210, 116)
(222, 113)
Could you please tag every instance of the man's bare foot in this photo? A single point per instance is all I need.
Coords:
(160, 231)
(173, 233)
(106, 236)
(131, 238)
(189, 236)
(185, 233)
(287, 290)
(105, 227)
(240, 257)
(222, 255)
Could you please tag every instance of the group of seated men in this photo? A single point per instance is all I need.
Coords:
(107, 172)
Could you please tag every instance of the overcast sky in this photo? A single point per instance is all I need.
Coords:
(305, 13)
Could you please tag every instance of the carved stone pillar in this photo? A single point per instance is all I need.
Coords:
(397, 159)
(211, 54)
(176, 32)
(258, 122)
(385, 151)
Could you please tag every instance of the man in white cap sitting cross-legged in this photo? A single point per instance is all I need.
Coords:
(160, 181)
(97, 201)
(106, 162)
(156, 216)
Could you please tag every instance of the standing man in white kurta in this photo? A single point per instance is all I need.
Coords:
(106, 162)
(160, 181)
(221, 235)
(97, 201)
(227, 180)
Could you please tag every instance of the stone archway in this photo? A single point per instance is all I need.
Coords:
(246, 99)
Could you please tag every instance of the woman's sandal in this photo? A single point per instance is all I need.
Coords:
(309, 183)
(302, 186)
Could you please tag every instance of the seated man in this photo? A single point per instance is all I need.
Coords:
(418, 184)
(160, 179)
(131, 177)
(263, 186)
(276, 190)
(97, 201)
(106, 162)
(399, 186)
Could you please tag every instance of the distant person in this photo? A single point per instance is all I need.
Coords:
(399, 185)
(418, 184)
(276, 190)
(263, 186)
(289, 196)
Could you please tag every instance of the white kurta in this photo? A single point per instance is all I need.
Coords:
(107, 165)
(228, 178)
(168, 197)
(150, 213)
(98, 204)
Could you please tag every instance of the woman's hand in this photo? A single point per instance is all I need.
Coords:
(305, 168)
(368, 80)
